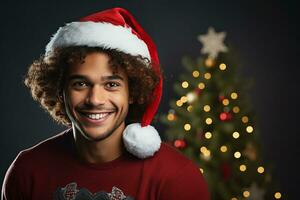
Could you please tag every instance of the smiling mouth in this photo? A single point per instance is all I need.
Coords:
(96, 116)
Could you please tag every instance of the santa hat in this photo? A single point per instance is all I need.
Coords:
(117, 29)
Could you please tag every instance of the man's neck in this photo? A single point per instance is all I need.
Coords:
(101, 151)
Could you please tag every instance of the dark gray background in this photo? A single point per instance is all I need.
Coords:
(263, 33)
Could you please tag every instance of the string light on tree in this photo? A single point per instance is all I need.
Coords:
(235, 135)
(236, 109)
(201, 86)
(234, 95)
(225, 102)
(208, 135)
(183, 99)
(203, 149)
(187, 127)
(189, 108)
(222, 66)
(246, 194)
(223, 148)
(171, 115)
(245, 119)
(208, 121)
(206, 108)
(277, 195)
(209, 62)
(237, 154)
(260, 169)
(179, 103)
(180, 143)
(196, 74)
(207, 75)
(191, 97)
(249, 129)
(206, 154)
(243, 168)
(185, 84)
(201, 170)
(225, 116)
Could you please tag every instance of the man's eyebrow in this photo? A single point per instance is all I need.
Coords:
(76, 76)
(103, 78)
(112, 77)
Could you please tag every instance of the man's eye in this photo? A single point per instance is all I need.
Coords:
(79, 84)
(112, 84)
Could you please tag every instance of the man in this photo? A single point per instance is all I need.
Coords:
(101, 77)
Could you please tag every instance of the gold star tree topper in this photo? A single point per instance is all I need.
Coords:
(213, 43)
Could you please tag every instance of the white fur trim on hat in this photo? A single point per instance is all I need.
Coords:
(140, 141)
(98, 34)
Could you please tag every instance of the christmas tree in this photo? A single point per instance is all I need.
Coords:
(212, 122)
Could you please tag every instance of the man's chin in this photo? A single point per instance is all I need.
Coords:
(96, 138)
(94, 135)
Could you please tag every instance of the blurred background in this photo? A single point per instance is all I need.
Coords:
(264, 35)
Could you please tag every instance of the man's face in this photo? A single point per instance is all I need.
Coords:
(96, 98)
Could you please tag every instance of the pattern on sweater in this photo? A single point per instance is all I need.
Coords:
(71, 192)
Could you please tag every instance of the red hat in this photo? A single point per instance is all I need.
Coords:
(117, 29)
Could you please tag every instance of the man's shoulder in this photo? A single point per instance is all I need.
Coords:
(171, 154)
(169, 160)
(177, 176)
(44, 149)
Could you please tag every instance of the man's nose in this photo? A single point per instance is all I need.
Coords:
(96, 96)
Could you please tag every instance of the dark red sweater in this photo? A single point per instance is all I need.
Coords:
(51, 170)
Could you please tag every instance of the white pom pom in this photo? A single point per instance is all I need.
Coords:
(140, 141)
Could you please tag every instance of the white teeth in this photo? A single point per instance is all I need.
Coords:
(97, 116)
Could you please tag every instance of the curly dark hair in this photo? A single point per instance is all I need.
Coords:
(46, 79)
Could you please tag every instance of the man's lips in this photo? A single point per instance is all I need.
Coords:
(95, 115)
